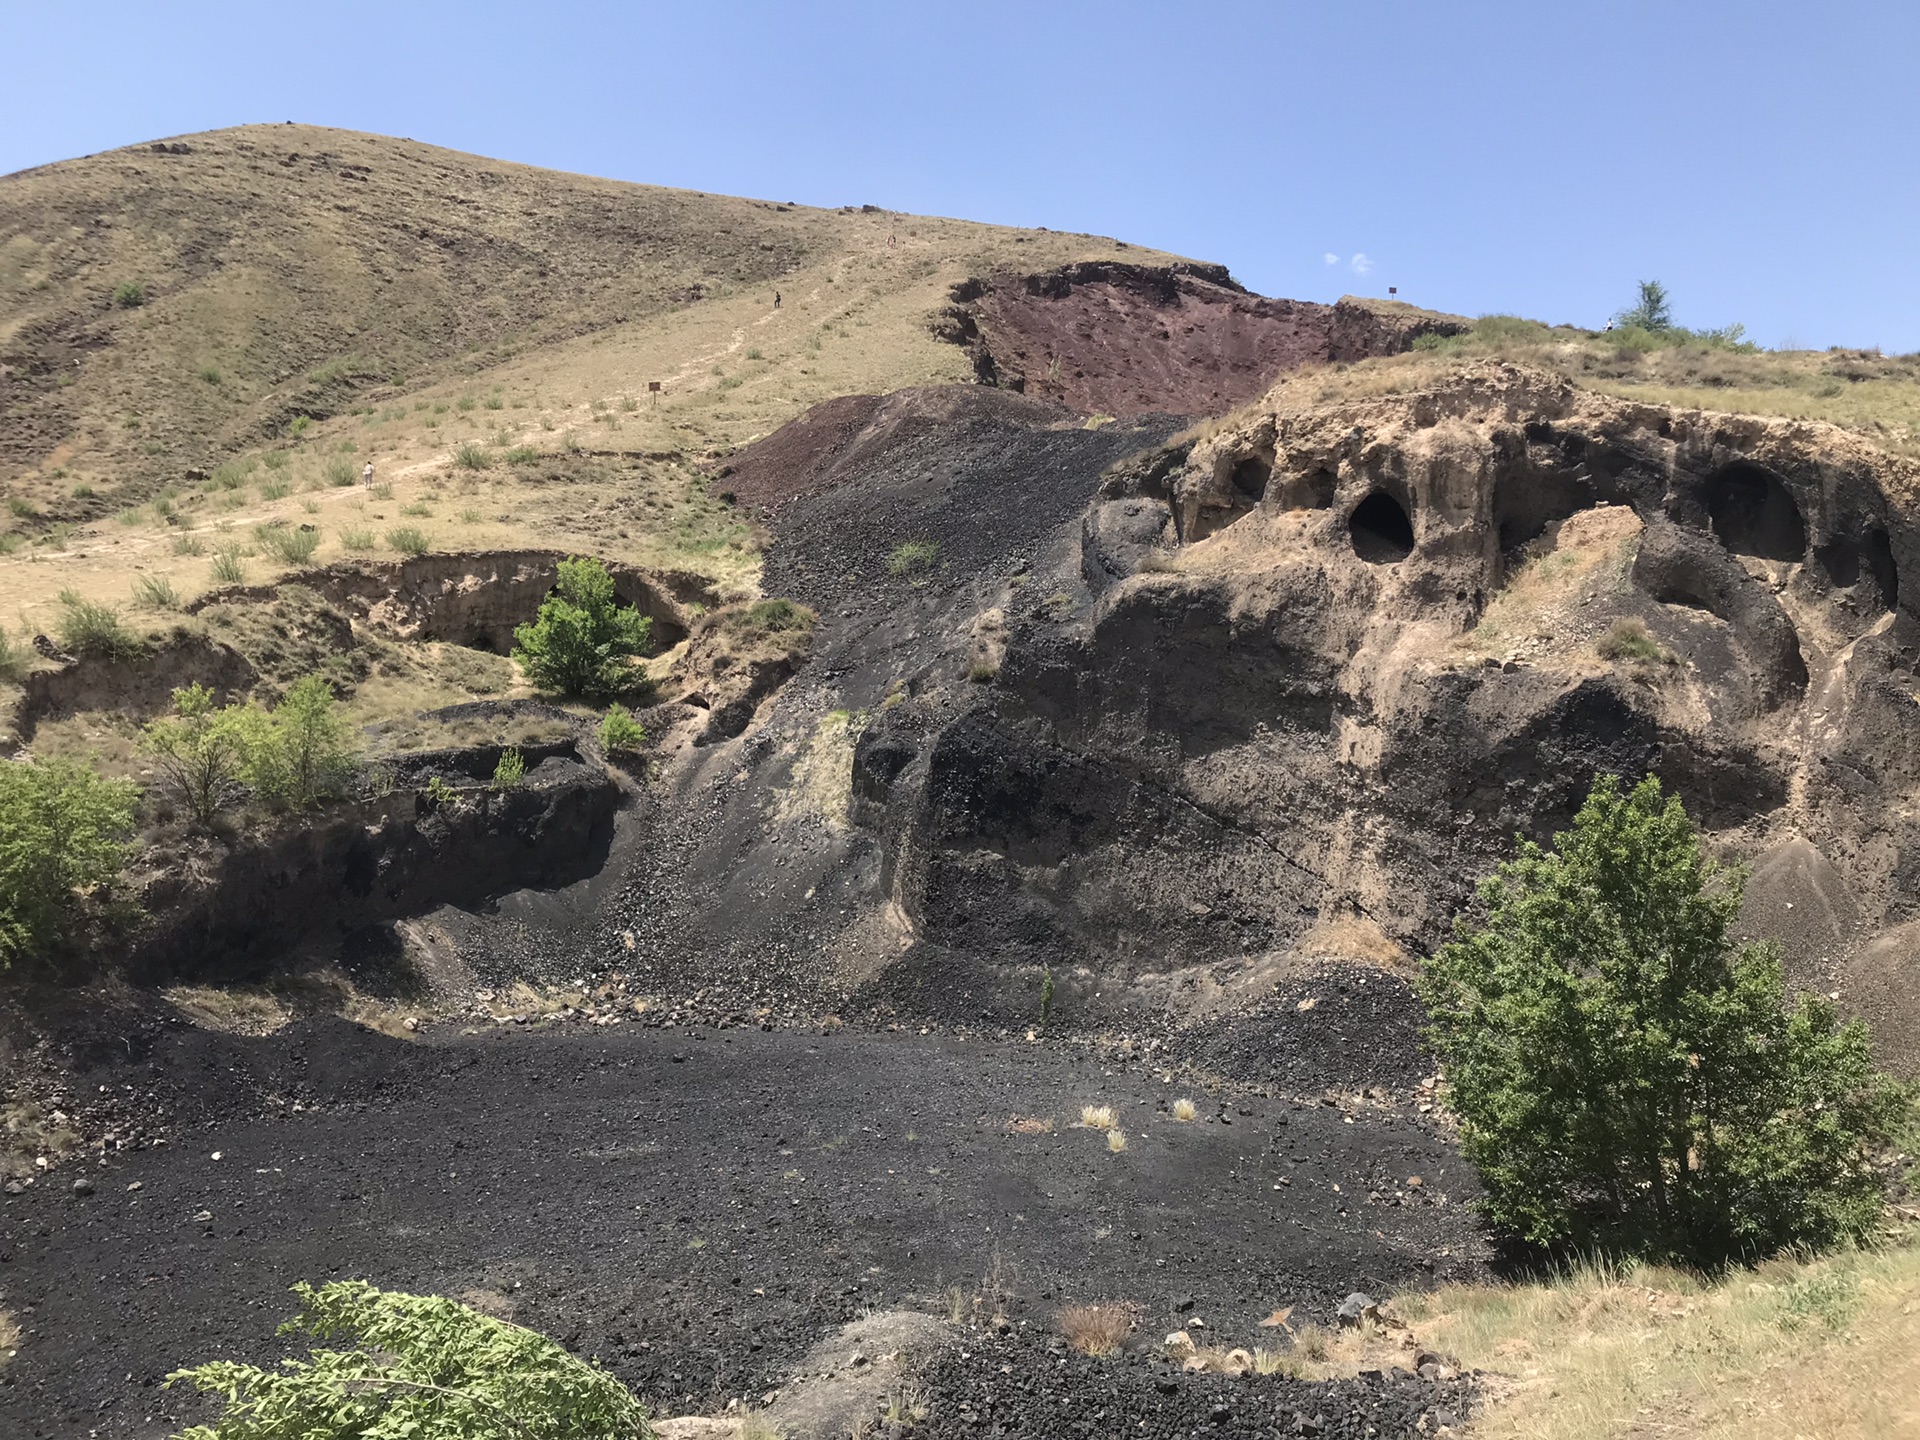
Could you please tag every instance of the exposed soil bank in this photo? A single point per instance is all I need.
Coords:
(1115, 339)
(232, 911)
(695, 1208)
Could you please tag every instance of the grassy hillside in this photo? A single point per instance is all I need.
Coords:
(484, 333)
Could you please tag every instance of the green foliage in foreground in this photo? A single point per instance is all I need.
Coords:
(199, 751)
(63, 830)
(1628, 1075)
(416, 1367)
(581, 641)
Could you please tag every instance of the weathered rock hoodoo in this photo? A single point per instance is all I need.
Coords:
(1322, 665)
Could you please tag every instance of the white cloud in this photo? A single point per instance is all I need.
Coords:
(1331, 258)
(1361, 264)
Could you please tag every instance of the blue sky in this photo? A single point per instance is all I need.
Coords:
(1762, 159)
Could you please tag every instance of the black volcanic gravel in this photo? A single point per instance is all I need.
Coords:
(695, 1207)
(1019, 1385)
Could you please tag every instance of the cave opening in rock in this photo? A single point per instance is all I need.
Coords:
(1753, 513)
(1313, 491)
(1525, 504)
(1250, 476)
(1380, 529)
(1880, 565)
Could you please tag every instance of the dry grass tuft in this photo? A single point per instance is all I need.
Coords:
(233, 1012)
(1185, 1110)
(1099, 1330)
(9, 1336)
(1029, 1125)
(1097, 1117)
(1116, 1141)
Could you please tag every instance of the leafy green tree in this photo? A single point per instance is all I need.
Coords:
(303, 752)
(1627, 1074)
(63, 829)
(418, 1367)
(1650, 312)
(581, 641)
(200, 751)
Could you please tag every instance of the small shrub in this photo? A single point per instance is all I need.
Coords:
(189, 545)
(10, 541)
(277, 459)
(271, 490)
(299, 425)
(288, 546)
(408, 540)
(493, 402)
(210, 375)
(21, 507)
(1098, 1330)
(228, 568)
(511, 769)
(394, 1365)
(1098, 1117)
(912, 557)
(466, 403)
(229, 476)
(1185, 1110)
(14, 658)
(753, 353)
(620, 731)
(381, 490)
(303, 752)
(418, 510)
(439, 793)
(473, 457)
(521, 455)
(130, 516)
(356, 538)
(340, 474)
(155, 592)
(64, 830)
(981, 672)
(200, 751)
(128, 295)
(580, 642)
(89, 628)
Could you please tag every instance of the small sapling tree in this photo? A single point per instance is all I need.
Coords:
(1627, 1074)
(582, 640)
(199, 750)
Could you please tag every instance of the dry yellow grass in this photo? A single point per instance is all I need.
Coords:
(1116, 1141)
(1097, 1117)
(9, 1336)
(1098, 1329)
(1828, 1348)
(1184, 1110)
(236, 1011)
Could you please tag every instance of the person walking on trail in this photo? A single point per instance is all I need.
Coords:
(366, 476)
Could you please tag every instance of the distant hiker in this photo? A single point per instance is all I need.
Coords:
(776, 299)
(366, 475)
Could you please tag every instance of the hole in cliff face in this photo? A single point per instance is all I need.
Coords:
(1886, 577)
(1382, 533)
(1863, 567)
(1753, 513)
(1250, 477)
(1525, 505)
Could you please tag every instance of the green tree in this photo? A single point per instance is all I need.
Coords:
(199, 750)
(1650, 312)
(63, 829)
(303, 752)
(581, 641)
(1627, 1074)
(418, 1367)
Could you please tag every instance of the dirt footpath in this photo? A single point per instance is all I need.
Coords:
(696, 1208)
